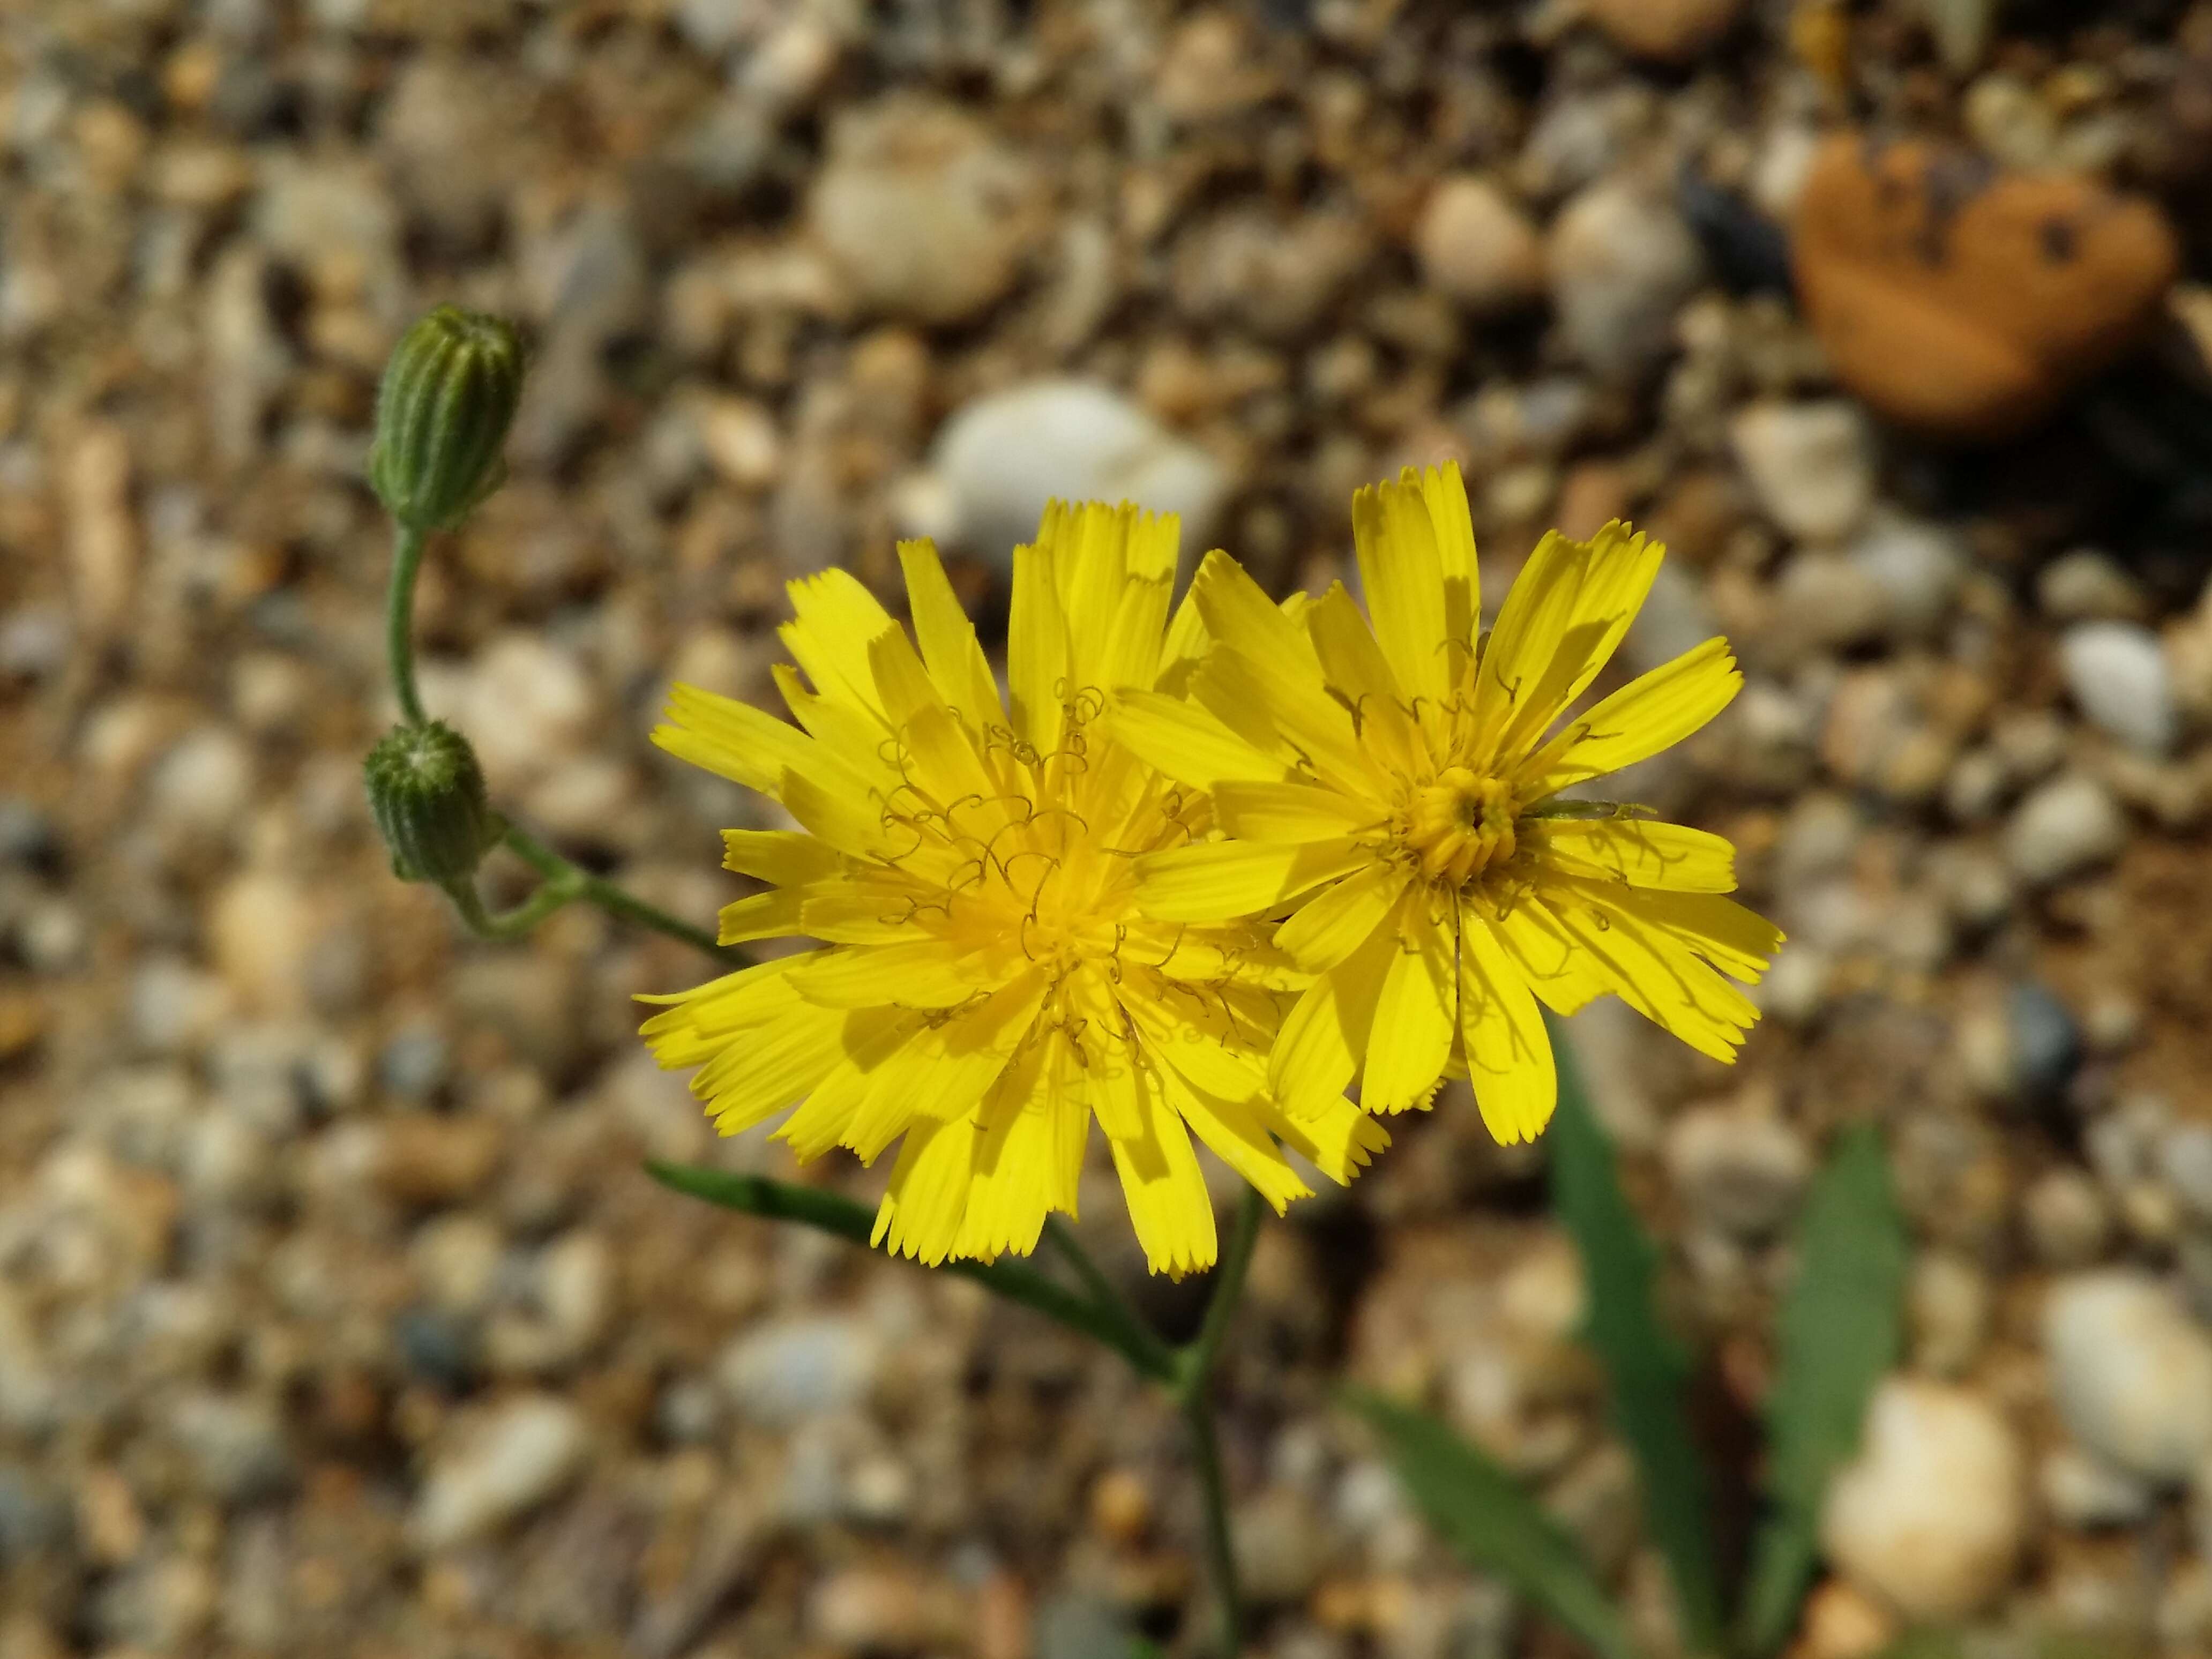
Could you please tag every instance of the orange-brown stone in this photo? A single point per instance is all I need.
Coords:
(1964, 299)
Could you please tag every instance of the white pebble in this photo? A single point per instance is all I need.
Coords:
(1476, 245)
(510, 1461)
(1622, 262)
(1930, 1515)
(1741, 1170)
(782, 1373)
(2131, 1372)
(2080, 1489)
(1002, 458)
(1810, 465)
(2120, 680)
(2067, 826)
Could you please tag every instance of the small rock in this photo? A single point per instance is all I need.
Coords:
(1741, 1170)
(921, 209)
(1621, 262)
(1930, 1515)
(1915, 567)
(1964, 300)
(505, 1463)
(263, 930)
(1002, 458)
(782, 1373)
(455, 1259)
(1669, 31)
(1211, 68)
(570, 1303)
(2067, 1221)
(1276, 275)
(2131, 1371)
(2067, 826)
(1948, 1300)
(426, 1158)
(1075, 1627)
(866, 1610)
(1811, 466)
(1843, 1622)
(2082, 1490)
(2088, 586)
(1476, 245)
(237, 1445)
(2184, 1159)
(2118, 678)
(1282, 1550)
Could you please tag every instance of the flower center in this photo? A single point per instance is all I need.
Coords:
(1460, 824)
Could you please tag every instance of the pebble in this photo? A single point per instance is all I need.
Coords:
(1668, 31)
(507, 1462)
(1916, 566)
(1741, 1170)
(1964, 300)
(1476, 245)
(2082, 1490)
(423, 1157)
(2063, 828)
(2088, 586)
(784, 1372)
(568, 1306)
(1620, 262)
(2185, 1160)
(1811, 466)
(2131, 1371)
(1949, 1302)
(2119, 678)
(1275, 275)
(237, 1445)
(1930, 1516)
(1282, 1550)
(1000, 460)
(1843, 1622)
(921, 209)
(263, 929)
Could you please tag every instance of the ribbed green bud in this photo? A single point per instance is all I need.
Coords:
(448, 395)
(427, 795)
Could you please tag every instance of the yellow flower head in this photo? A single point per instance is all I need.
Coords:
(987, 980)
(1396, 787)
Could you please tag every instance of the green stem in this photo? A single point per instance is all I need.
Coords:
(564, 883)
(1162, 1362)
(1194, 1393)
(399, 620)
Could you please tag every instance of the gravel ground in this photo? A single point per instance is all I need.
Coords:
(335, 1314)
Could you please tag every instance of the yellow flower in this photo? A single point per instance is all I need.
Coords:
(1396, 788)
(988, 981)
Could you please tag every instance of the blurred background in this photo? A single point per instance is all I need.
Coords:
(335, 1314)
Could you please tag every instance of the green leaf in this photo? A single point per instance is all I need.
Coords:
(783, 1201)
(1646, 1367)
(1485, 1515)
(1840, 1330)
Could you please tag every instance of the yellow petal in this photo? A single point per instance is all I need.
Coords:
(757, 1075)
(1641, 852)
(948, 645)
(1169, 1205)
(1445, 493)
(1652, 972)
(823, 1117)
(1404, 581)
(1336, 921)
(923, 972)
(773, 914)
(835, 617)
(1225, 878)
(734, 739)
(944, 1070)
(1415, 1011)
(1024, 1160)
(1652, 712)
(1359, 673)
(1263, 677)
(1233, 1132)
(1187, 742)
(1560, 623)
(1324, 1036)
(1037, 650)
(1508, 1052)
(782, 856)
(1565, 980)
(922, 1209)
(1292, 812)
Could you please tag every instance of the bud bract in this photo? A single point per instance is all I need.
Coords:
(449, 393)
(427, 795)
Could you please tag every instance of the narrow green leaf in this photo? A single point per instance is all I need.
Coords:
(1840, 1330)
(1485, 1515)
(1648, 1371)
(783, 1201)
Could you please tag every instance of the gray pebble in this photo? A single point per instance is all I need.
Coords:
(2067, 826)
(2131, 1371)
(2118, 678)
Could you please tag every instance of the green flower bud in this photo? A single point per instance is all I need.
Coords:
(448, 395)
(427, 795)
